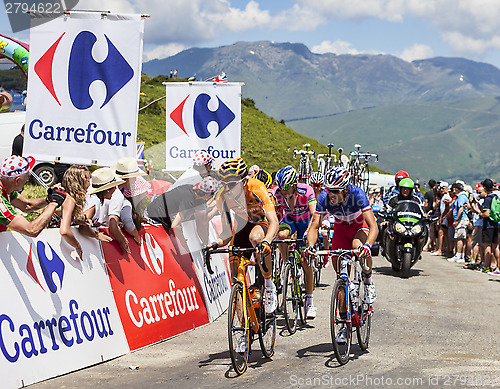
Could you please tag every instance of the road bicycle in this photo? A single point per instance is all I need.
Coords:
(343, 160)
(305, 165)
(348, 310)
(326, 164)
(278, 273)
(294, 290)
(246, 313)
(359, 168)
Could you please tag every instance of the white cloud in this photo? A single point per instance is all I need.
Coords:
(162, 51)
(337, 47)
(417, 51)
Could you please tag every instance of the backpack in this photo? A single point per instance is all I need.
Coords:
(495, 209)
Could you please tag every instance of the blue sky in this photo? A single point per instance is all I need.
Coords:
(409, 29)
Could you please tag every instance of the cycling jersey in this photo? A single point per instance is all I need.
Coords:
(350, 211)
(303, 198)
(252, 207)
(348, 216)
(7, 213)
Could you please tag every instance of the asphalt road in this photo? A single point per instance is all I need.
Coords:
(438, 329)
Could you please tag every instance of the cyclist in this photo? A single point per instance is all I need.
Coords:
(254, 219)
(355, 224)
(317, 180)
(298, 203)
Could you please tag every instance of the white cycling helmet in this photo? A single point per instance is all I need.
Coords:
(337, 179)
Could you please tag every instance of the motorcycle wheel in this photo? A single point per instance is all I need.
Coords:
(405, 266)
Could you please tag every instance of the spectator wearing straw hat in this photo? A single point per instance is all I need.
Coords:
(104, 184)
(202, 165)
(186, 202)
(14, 174)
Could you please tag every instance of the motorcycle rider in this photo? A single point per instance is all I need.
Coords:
(394, 190)
(405, 192)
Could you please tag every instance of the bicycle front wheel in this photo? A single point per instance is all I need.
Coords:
(340, 327)
(290, 300)
(278, 277)
(365, 321)
(238, 330)
(365, 178)
(267, 330)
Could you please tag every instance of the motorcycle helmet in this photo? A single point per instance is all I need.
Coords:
(399, 176)
(406, 183)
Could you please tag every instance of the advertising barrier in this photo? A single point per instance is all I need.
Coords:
(60, 314)
(156, 288)
(57, 314)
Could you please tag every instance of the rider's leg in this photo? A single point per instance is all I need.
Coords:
(359, 239)
(283, 233)
(256, 236)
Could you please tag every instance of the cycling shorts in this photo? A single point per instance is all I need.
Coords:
(299, 226)
(345, 233)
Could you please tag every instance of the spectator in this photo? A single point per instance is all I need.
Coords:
(17, 144)
(76, 181)
(14, 174)
(175, 73)
(186, 202)
(202, 166)
(490, 228)
(429, 210)
(460, 221)
(171, 73)
(444, 205)
(477, 201)
(120, 209)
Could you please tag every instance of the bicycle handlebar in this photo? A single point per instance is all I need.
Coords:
(289, 241)
(207, 252)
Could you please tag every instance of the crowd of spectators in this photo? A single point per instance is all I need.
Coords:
(464, 231)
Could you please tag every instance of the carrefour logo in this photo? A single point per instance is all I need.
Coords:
(83, 70)
(203, 116)
(152, 255)
(51, 265)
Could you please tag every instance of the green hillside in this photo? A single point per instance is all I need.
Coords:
(445, 139)
(264, 141)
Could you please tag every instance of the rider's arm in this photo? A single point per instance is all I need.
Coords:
(312, 234)
(28, 205)
(21, 225)
(227, 232)
(372, 225)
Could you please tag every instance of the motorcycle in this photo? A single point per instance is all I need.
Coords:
(405, 235)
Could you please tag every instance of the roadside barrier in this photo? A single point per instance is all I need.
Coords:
(58, 314)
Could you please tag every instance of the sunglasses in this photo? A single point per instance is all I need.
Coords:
(288, 187)
(316, 185)
(334, 191)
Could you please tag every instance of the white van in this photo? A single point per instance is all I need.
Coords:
(10, 126)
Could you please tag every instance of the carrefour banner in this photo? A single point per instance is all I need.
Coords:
(202, 116)
(156, 289)
(83, 87)
(57, 313)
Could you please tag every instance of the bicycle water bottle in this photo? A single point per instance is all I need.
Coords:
(343, 267)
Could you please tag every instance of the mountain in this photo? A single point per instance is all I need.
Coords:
(288, 81)
(264, 141)
(436, 117)
(440, 139)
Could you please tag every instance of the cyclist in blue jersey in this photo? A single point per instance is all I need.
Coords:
(355, 226)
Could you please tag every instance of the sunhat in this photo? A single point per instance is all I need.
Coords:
(128, 168)
(103, 179)
(202, 158)
(139, 187)
(208, 185)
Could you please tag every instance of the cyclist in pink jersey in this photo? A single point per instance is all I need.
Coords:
(297, 202)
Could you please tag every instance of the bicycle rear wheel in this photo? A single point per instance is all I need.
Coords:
(238, 330)
(365, 178)
(267, 330)
(301, 295)
(365, 321)
(290, 300)
(337, 324)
